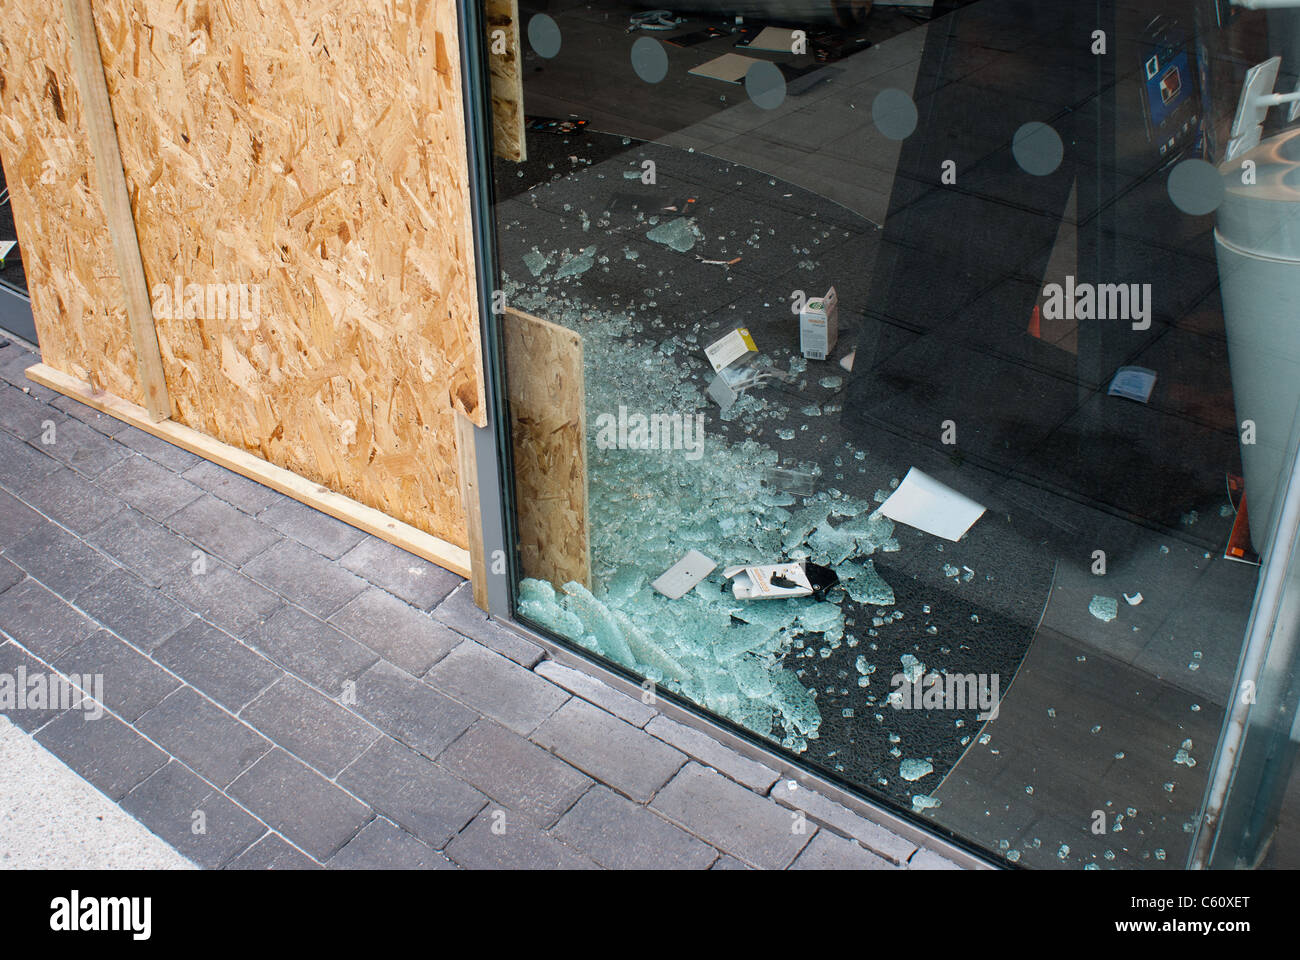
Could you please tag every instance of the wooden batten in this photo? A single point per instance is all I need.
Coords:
(548, 426)
(117, 204)
(505, 60)
(448, 555)
(465, 449)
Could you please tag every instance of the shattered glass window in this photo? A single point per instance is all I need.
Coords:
(914, 388)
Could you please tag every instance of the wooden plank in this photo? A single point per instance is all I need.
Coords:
(507, 82)
(548, 426)
(313, 153)
(448, 555)
(468, 471)
(117, 204)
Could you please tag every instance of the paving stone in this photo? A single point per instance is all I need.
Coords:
(622, 835)
(607, 748)
(24, 416)
(844, 821)
(22, 465)
(382, 845)
(595, 691)
(273, 853)
(9, 574)
(728, 862)
(217, 664)
(222, 530)
(413, 579)
(409, 710)
(207, 739)
(413, 791)
(398, 632)
(13, 364)
(732, 818)
(309, 725)
(514, 772)
(310, 648)
(16, 519)
(59, 560)
(514, 845)
(144, 546)
(87, 451)
(72, 500)
(929, 860)
(132, 683)
(305, 577)
(326, 535)
(238, 491)
(153, 490)
(105, 751)
(459, 613)
(224, 596)
(828, 851)
(500, 688)
(311, 812)
(168, 802)
(172, 457)
(102, 422)
(16, 665)
(42, 622)
(133, 610)
(751, 773)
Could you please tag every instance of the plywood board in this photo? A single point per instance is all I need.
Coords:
(548, 427)
(448, 555)
(310, 157)
(504, 63)
(78, 301)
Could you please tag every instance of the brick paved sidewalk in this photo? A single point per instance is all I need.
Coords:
(309, 695)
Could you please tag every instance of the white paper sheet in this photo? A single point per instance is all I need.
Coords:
(773, 39)
(684, 574)
(923, 502)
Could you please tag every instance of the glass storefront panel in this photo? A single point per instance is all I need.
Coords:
(877, 385)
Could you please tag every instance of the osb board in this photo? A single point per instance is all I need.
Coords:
(548, 426)
(314, 151)
(78, 301)
(508, 139)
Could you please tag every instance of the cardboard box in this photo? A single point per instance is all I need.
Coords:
(735, 349)
(819, 326)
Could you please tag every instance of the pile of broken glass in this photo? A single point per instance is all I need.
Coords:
(738, 658)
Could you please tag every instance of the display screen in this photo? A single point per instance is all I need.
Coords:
(1168, 85)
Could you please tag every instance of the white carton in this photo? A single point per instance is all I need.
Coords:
(755, 582)
(819, 326)
(737, 347)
